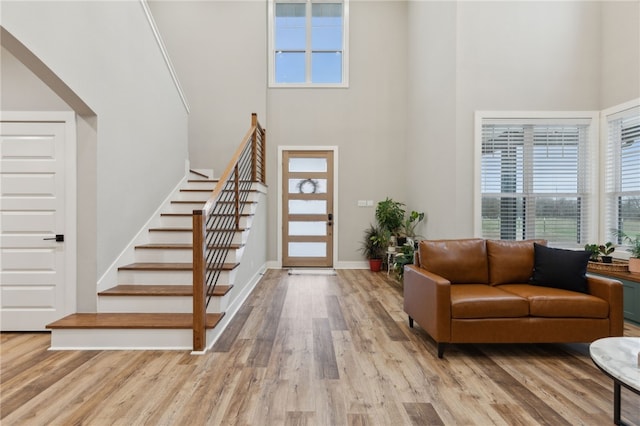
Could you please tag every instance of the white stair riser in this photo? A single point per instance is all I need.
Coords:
(175, 255)
(187, 221)
(210, 186)
(247, 208)
(193, 196)
(167, 277)
(117, 338)
(164, 255)
(205, 195)
(152, 304)
(184, 237)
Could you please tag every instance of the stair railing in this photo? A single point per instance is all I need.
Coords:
(217, 223)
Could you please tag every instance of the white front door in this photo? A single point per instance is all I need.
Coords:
(33, 290)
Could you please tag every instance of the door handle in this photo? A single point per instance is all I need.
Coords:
(59, 238)
(330, 219)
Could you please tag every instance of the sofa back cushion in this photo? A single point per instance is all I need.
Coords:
(459, 261)
(511, 262)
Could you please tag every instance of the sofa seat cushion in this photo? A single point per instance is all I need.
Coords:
(559, 303)
(484, 301)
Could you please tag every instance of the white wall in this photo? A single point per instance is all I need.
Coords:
(367, 121)
(620, 52)
(105, 52)
(219, 51)
(22, 90)
(503, 56)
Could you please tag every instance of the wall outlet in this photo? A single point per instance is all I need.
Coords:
(369, 203)
(362, 203)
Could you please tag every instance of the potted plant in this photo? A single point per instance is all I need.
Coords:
(634, 249)
(374, 246)
(605, 252)
(409, 226)
(390, 215)
(594, 249)
(405, 257)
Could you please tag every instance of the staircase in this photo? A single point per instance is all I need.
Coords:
(151, 306)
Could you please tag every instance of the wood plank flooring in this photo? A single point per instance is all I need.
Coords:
(310, 350)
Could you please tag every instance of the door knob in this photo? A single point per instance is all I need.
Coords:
(59, 238)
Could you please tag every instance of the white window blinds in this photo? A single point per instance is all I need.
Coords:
(622, 172)
(535, 180)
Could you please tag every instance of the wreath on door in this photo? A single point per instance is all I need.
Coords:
(308, 186)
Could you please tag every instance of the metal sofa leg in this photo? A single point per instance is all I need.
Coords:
(410, 322)
(440, 349)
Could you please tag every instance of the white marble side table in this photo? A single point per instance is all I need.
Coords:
(617, 357)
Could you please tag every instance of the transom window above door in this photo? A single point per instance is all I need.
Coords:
(308, 42)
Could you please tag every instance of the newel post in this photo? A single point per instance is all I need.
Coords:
(199, 279)
(254, 147)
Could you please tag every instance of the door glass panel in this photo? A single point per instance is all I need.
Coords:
(307, 164)
(307, 249)
(307, 206)
(307, 186)
(308, 228)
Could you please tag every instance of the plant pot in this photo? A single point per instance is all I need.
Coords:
(606, 259)
(375, 265)
(634, 265)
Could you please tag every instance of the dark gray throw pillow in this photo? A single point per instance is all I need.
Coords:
(559, 268)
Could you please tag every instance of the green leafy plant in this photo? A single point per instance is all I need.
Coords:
(409, 224)
(606, 249)
(374, 242)
(405, 257)
(594, 250)
(634, 242)
(390, 215)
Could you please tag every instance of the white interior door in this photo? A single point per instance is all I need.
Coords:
(32, 213)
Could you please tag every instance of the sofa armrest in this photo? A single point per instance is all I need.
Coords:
(611, 291)
(427, 299)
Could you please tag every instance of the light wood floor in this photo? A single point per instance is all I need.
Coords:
(317, 350)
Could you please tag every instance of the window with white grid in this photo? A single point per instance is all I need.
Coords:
(622, 172)
(536, 181)
(308, 43)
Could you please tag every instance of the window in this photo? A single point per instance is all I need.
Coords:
(307, 43)
(622, 172)
(536, 179)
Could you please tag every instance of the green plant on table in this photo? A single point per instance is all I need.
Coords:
(409, 224)
(405, 257)
(634, 242)
(390, 215)
(594, 250)
(606, 249)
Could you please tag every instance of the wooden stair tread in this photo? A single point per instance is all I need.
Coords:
(161, 246)
(171, 246)
(211, 190)
(159, 290)
(191, 214)
(168, 266)
(184, 229)
(202, 202)
(203, 180)
(132, 321)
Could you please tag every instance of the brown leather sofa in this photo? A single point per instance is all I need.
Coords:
(479, 291)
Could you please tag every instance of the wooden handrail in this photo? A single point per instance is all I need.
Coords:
(245, 167)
